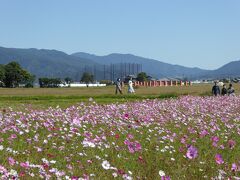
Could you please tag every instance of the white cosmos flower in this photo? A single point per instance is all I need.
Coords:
(106, 165)
(126, 177)
(161, 173)
(88, 144)
(114, 174)
(1, 147)
(13, 173)
(52, 161)
(45, 160)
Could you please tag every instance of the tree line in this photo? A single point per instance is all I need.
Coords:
(13, 75)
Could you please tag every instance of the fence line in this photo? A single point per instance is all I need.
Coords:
(162, 83)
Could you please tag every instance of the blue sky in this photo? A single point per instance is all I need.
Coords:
(193, 33)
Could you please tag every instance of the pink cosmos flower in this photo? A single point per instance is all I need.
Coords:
(234, 167)
(117, 136)
(221, 146)
(203, 133)
(22, 174)
(130, 136)
(215, 139)
(231, 144)
(13, 136)
(192, 152)
(127, 142)
(133, 146)
(165, 178)
(11, 161)
(121, 171)
(69, 166)
(3, 169)
(219, 159)
(181, 149)
(74, 178)
(183, 140)
(24, 165)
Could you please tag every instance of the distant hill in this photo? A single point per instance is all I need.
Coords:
(231, 69)
(53, 63)
(46, 63)
(153, 67)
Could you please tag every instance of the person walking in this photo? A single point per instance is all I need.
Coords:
(215, 89)
(231, 91)
(118, 86)
(224, 90)
(130, 86)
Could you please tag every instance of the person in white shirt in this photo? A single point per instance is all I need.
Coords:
(130, 86)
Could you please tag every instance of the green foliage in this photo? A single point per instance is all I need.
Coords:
(13, 74)
(2, 75)
(87, 77)
(49, 82)
(28, 79)
(142, 76)
(68, 80)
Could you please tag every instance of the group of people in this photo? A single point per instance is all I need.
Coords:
(225, 91)
(119, 86)
(215, 89)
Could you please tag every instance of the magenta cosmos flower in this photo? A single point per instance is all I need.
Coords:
(192, 152)
(231, 143)
(219, 159)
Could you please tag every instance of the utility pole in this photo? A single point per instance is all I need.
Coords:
(104, 72)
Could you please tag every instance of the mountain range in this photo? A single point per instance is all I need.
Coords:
(53, 63)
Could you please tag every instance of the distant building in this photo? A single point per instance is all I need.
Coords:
(77, 84)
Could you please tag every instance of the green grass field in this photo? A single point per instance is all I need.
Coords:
(64, 97)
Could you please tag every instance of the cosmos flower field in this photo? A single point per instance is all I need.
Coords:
(183, 138)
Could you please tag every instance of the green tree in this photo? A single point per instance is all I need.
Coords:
(13, 74)
(2, 75)
(49, 82)
(142, 76)
(27, 79)
(68, 80)
(87, 77)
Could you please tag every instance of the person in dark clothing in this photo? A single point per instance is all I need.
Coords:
(224, 90)
(118, 86)
(215, 89)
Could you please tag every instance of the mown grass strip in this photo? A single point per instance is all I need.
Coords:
(71, 97)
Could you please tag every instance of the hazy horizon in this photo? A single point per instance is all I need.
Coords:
(203, 34)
